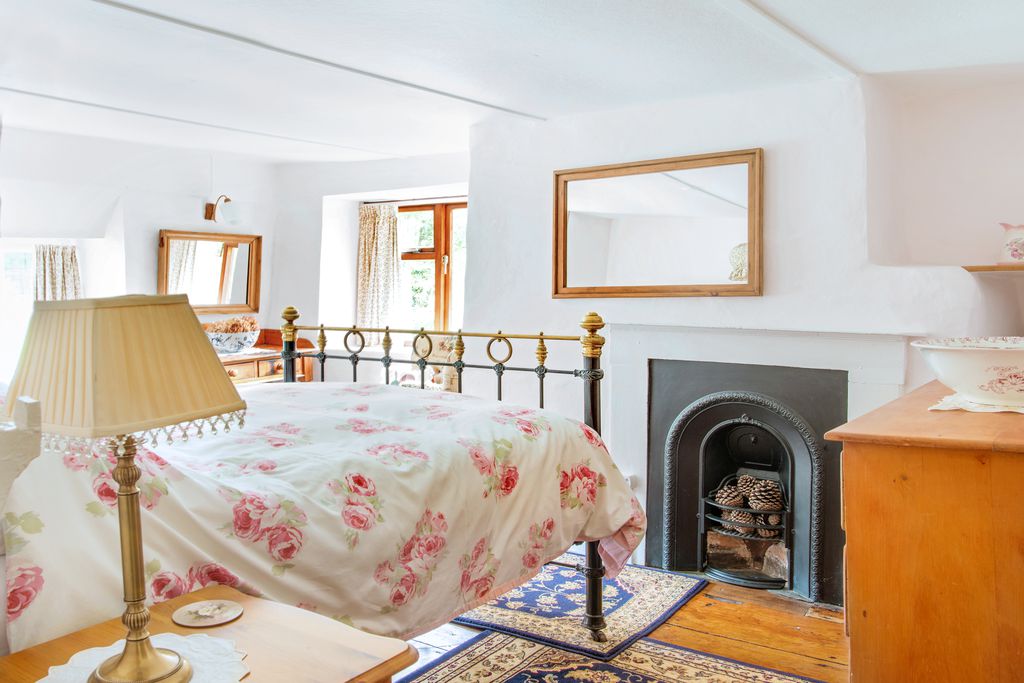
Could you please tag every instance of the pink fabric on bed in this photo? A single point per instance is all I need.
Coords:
(386, 507)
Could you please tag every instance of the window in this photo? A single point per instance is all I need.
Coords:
(432, 269)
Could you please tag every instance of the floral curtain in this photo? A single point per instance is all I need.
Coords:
(378, 265)
(58, 276)
(181, 264)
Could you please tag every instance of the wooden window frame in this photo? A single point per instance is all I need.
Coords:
(440, 254)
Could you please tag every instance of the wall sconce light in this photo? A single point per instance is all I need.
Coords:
(211, 209)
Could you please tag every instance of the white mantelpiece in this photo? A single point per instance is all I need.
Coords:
(876, 363)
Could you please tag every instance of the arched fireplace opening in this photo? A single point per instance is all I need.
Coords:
(753, 515)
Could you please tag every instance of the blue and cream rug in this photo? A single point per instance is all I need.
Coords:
(501, 658)
(549, 609)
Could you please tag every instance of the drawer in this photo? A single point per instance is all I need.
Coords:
(241, 372)
(270, 368)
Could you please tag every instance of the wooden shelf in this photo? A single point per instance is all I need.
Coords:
(996, 268)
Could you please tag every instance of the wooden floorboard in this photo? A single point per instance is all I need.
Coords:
(757, 620)
(750, 653)
(763, 628)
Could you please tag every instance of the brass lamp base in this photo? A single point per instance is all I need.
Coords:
(139, 662)
(142, 663)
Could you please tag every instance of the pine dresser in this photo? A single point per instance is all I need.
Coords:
(933, 507)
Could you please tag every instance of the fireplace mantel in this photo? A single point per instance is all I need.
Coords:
(876, 365)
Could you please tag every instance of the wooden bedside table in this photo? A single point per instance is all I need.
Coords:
(283, 643)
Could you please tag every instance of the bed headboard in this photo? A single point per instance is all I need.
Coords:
(354, 342)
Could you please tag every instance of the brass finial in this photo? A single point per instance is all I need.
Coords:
(321, 340)
(460, 348)
(592, 341)
(290, 315)
(542, 350)
(387, 341)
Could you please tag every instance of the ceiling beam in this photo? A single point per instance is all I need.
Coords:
(252, 42)
(191, 122)
(783, 33)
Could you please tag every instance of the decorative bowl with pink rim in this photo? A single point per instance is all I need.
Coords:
(986, 370)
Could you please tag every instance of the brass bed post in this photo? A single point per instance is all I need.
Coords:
(593, 568)
(288, 334)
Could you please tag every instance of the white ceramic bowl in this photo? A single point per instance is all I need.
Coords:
(988, 370)
(233, 342)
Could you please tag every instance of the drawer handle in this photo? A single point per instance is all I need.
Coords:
(232, 373)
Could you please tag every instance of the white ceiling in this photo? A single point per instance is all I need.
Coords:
(879, 36)
(443, 64)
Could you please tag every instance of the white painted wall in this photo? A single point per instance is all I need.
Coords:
(339, 251)
(56, 186)
(817, 273)
(945, 155)
(305, 219)
(818, 276)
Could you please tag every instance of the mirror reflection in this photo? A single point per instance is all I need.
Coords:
(219, 272)
(672, 227)
(209, 272)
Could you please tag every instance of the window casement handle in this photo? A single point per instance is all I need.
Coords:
(444, 264)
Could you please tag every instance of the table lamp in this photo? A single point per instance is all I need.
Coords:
(118, 371)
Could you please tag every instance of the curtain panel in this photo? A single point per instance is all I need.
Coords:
(378, 266)
(181, 265)
(58, 277)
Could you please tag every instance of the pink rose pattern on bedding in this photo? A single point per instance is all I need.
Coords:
(389, 508)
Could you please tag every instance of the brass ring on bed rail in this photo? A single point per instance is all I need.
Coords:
(507, 343)
(416, 341)
(362, 341)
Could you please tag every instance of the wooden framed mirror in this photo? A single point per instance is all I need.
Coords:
(220, 272)
(685, 226)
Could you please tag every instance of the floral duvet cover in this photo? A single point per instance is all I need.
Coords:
(388, 508)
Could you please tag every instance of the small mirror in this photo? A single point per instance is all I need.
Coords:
(220, 272)
(689, 226)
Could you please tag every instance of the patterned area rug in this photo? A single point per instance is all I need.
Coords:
(549, 609)
(500, 658)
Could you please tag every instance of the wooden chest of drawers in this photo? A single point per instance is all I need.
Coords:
(262, 363)
(934, 517)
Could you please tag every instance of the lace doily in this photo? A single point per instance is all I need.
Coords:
(213, 660)
(958, 402)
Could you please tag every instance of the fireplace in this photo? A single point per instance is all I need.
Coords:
(741, 486)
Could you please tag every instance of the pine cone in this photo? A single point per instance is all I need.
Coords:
(729, 495)
(745, 483)
(742, 517)
(767, 519)
(767, 495)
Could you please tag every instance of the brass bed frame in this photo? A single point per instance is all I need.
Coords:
(592, 567)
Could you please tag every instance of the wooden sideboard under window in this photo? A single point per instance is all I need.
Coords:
(262, 363)
(933, 507)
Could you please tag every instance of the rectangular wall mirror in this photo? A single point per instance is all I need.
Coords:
(686, 226)
(220, 272)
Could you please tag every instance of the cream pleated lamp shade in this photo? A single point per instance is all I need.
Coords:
(118, 366)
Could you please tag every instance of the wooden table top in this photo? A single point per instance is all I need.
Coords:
(908, 422)
(283, 643)
(253, 353)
